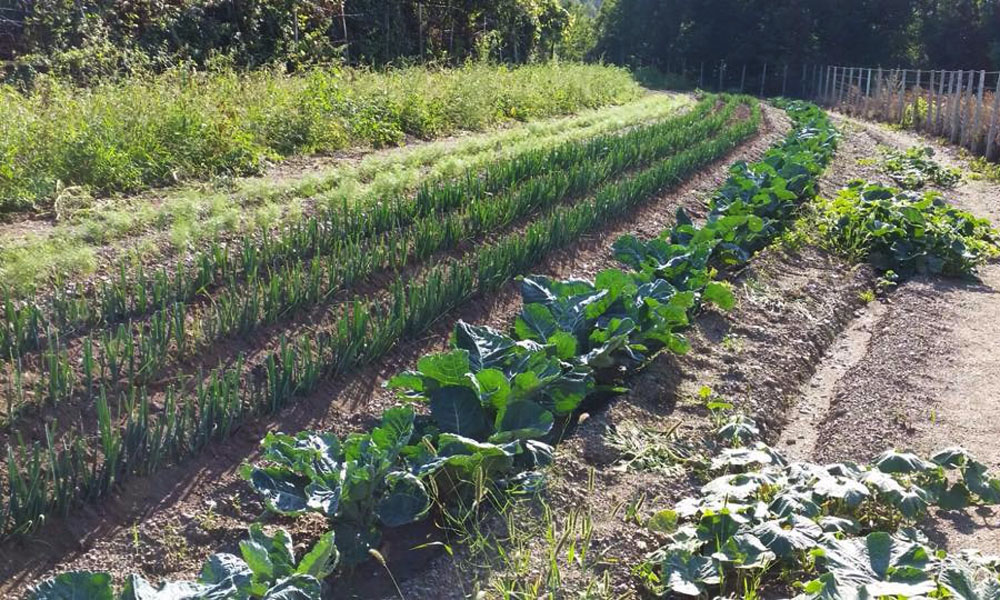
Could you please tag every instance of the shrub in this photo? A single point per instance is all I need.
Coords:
(150, 131)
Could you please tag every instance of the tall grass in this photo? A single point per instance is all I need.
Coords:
(125, 136)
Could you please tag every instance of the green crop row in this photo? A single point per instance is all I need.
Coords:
(438, 220)
(905, 232)
(460, 211)
(194, 215)
(495, 399)
(48, 479)
(331, 233)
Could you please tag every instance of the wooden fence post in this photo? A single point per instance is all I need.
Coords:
(862, 102)
(902, 96)
(965, 123)
(956, 101)
(784, 82)
(843, 85)
(890, 95)
(977, 120)
(938, 123)
(891, 77)
(916, 102)
(867, 93)
(804, 82)
(832, 88)
(850, 90)
(830, 74)
(701, 76)
(994, 119)
(763, 78)
(845, 88)
(722, 70)
(930, 103)
(878, 93)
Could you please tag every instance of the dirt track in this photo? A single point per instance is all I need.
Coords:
(920, 371)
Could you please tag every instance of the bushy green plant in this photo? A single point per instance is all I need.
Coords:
(266, 568)
(840, 530)
(906, 232)
(914, 168)
(152, 130)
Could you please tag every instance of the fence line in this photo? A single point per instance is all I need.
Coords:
(960, 105)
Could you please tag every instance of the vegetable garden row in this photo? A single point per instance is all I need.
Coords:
(112, 374)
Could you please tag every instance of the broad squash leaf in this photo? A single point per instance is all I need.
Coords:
(321, 561)
(521, 420)
(458, 410)
(75, 585)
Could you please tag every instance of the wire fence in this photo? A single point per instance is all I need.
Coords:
(959, 105)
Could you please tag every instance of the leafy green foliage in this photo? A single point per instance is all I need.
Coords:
(494, 398)
(358, 483)
(266, 569)
(906, 232)
(752, 207)
(837, 525)
(680, 35)
(150, 131)
(914, 168)
(49, 474)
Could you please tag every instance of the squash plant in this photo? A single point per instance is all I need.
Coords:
(266, 569)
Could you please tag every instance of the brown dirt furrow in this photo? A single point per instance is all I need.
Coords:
(166, 524)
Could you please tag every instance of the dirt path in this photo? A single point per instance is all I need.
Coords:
(164, 526)
(920, 371)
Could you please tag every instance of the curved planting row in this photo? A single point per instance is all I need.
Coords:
(49, 476)
(131, 355)
(841, 530)
(334, 233)
(497, 401)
